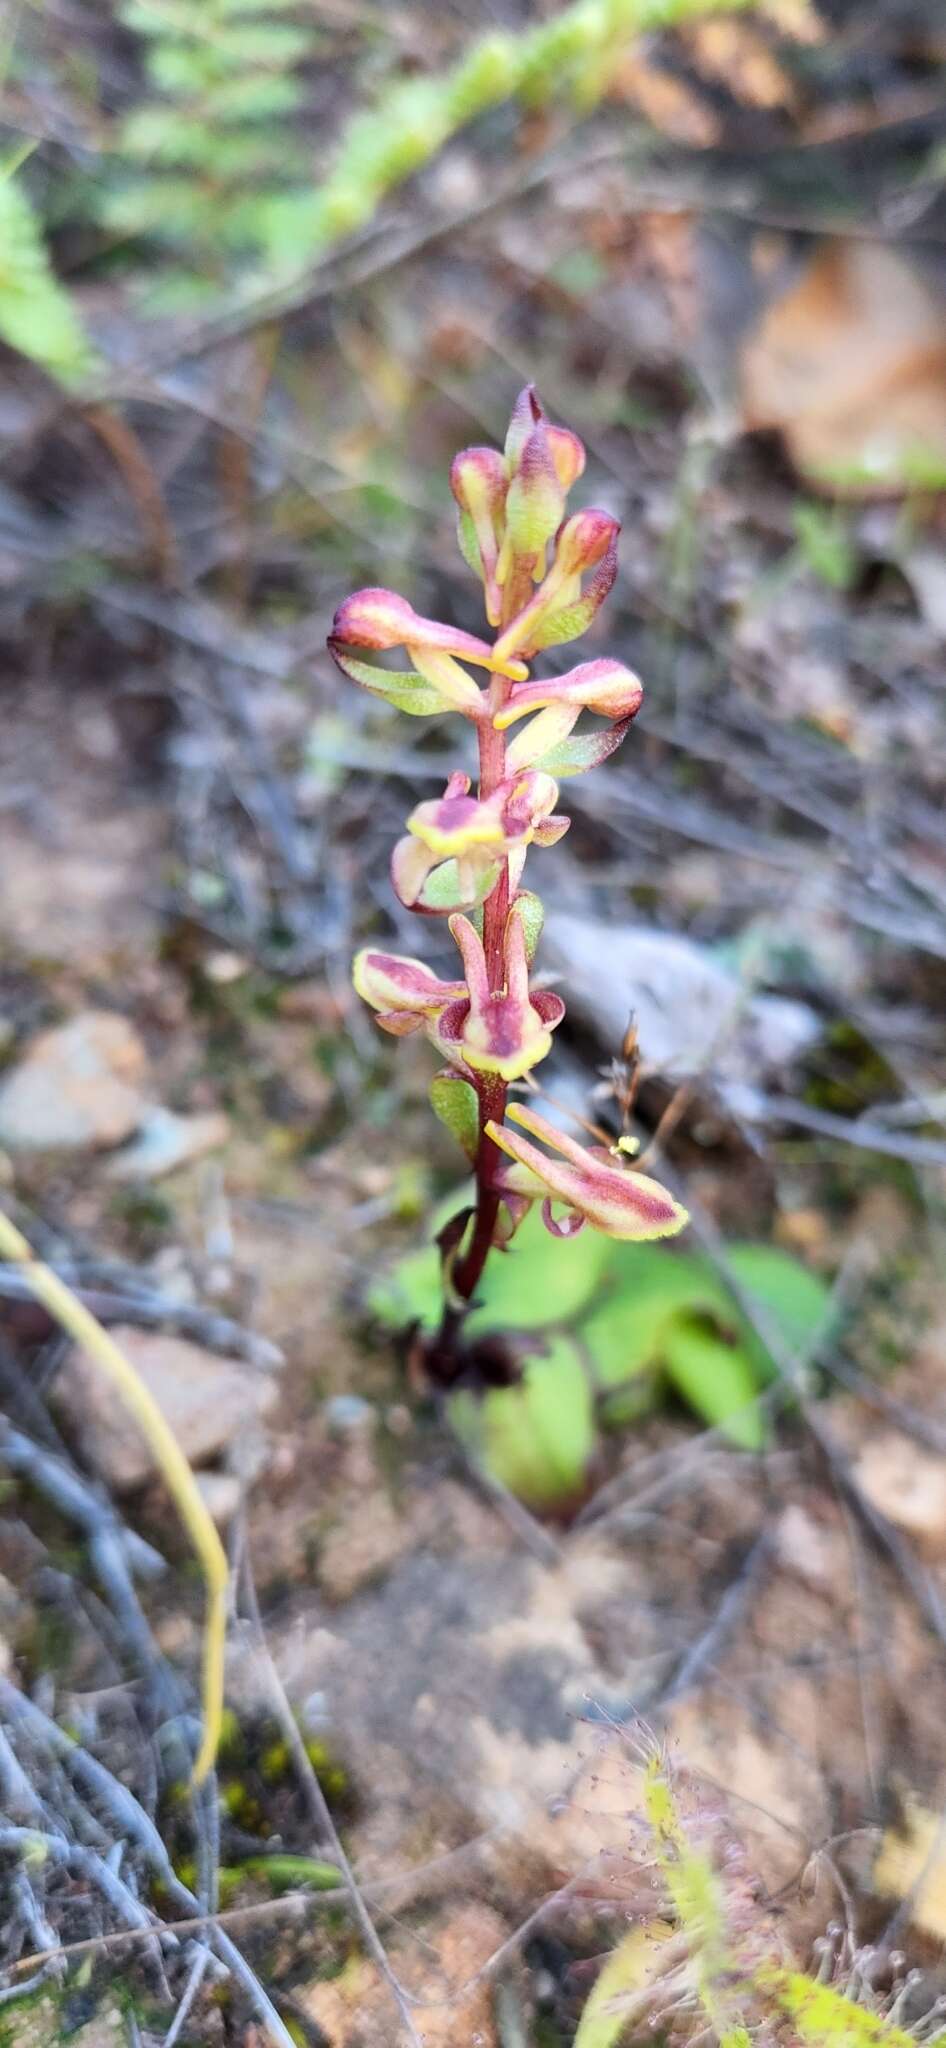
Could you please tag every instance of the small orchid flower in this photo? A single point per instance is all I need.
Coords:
(593, 1183)
(544, 576)
(470, 835)
(604, 687)
(380, 620)
(504, 1030)
(404, 993)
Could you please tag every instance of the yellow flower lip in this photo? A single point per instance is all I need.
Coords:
(449, 842)
(534, 1042)
(503, 1031)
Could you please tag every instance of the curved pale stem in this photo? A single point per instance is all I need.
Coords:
(79, 1323)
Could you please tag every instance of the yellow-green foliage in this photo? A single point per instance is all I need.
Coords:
(621, 1989)
(692, 1959)
(825, 2018)
(37, 316)
(207, 165)
(696, 1897)
(574, 54)
(211, 167)
(211, 144)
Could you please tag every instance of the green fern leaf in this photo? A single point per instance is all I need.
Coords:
(37, 316)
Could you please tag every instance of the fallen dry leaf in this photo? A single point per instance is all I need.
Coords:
(734, 53)
(912, 1865)
(849, 365)
(667, 102)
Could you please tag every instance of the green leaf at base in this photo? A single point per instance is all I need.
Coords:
(540, 1280)
(717, 1379)
(538, 1438)
(796, 1302)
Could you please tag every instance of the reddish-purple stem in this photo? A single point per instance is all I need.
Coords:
(491, 1090)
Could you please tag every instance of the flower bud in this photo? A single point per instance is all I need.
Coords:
(405, 993)
(604, 686)
(525, 416)
(478, 481)
(560, 610)
(535, 502)
(379, 619)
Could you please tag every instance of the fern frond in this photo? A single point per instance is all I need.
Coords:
(231, 70)
(37, 315)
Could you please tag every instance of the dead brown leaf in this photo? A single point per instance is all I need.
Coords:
(850, 366)
(667, 102)
(734, 53)
(912, 1866)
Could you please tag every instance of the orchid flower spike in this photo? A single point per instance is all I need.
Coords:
(545, 574)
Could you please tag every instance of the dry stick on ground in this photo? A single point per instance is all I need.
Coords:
(702, 1654)
(113, 1550)
(316, 1800)
(262, 1910)
(860, 1131)
(334, 275)
(136, 1826)
(128, 1299)
(912, 1422)
(198, 1972)
(235, 457)
(130, 457)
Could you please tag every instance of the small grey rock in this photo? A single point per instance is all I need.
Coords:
(165, 1141)
(345, 1414)
(692, 1014)
(77, 1086)
(207, 1400)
